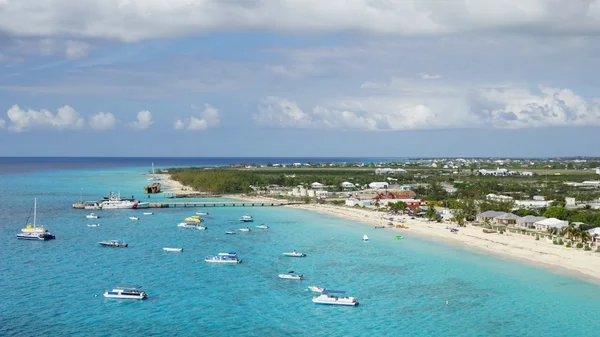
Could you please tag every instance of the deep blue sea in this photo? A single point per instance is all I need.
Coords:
(54, 288)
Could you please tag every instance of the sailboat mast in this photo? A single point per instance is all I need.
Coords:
(34, 210)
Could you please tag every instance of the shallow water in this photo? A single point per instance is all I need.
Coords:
(54, 288)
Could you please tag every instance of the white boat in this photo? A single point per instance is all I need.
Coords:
(262, 226)
(227, 258)
(246, 218)
(365, 237)
(327, 297)
(133, 218)
(294, 254)
(127, 293)
(113, 243)
(148, 213)
(231, 233)
(92, 216)
(154, 177)
(316, 289)
(201, 213)
(201, 228)
(291, 276)
(91, 205)
(244, 229)
(33, 232)
(191, 225)
(167, 249)
(94, 225)
(116, 202)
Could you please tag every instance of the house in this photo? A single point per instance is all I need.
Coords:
(488, 216)
(497, 197)
(532, 204)
(389, 171)
(347, 186)
(317, 186)
(529, 221)
(507, 219)
(527, 174)
(356, 202)
(496, 172)
(378, 185)
(550, 223)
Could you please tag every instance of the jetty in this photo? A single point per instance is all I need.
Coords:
(212, 204)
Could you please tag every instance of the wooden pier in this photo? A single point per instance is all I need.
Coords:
(212, 204)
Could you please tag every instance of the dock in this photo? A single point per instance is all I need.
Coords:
(212, 204)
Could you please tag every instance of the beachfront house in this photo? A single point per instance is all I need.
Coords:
(348, 186)
(317, 186)
(378, 185)
(529, 221)
(489, 216)
(357, 202)
(507, 219)
(550, 223)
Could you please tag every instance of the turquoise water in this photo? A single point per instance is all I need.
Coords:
(49, 288)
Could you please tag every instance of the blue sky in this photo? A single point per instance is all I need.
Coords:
(295, 78)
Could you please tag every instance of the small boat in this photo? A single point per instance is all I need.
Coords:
(227, 258)
(201, 213)
(34, 232)
(399, 237)
(167, 249)
(133, 218)
(192, 225)
(94, 225)
(291, 276)
(262, 226)
(327, 298)
(148, 213)
(127, 293)
(92, 216)
(231, 233)
(294, 254)
(244, 229)
(113, 243)
(201, 228)
(316, 289)
(379, 227)
(246, 218)
(365, 238)
(193, 218)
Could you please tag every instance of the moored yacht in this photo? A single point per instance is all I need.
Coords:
(365, 237)
(244, 229)
(294, 254)
(33, 232)
(316, 289)
(168, 249)
(246, 218)
(328, 297)
(291, 276)
(127, 293)
(92, 216)
(228, 258)
(113, 243)
(133, 218)
(116, 202)
(201, 213)
(94, 225)
(262, 226)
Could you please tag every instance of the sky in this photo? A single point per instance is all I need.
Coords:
(393, 78)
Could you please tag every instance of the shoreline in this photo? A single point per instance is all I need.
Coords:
(516, 247)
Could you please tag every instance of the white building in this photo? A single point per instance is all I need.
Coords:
(529, 221)
(532, 204)
(317, 186)
(389, 171)
(496, 172)
(497, 197)
(378, 185)
(551, 223)
(528, 174)
(347, 185)
(356, 202)
(597, 170)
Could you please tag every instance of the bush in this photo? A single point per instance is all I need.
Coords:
(501, 231)
(561, 242)
(580, 245)
(569, 244)
(587, 248)
(554, 242)
(537, 238)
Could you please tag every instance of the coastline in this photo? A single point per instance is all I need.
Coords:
(521, 248)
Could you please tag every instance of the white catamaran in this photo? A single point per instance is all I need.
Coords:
(33, 232)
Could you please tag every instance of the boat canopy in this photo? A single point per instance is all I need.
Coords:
(327, 291)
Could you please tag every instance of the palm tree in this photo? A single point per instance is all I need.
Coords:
(376, 202)
(570, 231)
(584, 235)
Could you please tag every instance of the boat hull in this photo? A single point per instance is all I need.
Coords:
(166, 249)
(336, 303)
(35, 236)
(294, 255)
(126, 205)
(110, 294)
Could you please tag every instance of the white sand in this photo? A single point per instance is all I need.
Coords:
(168, 185)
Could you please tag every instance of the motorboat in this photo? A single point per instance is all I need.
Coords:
(167, 249)
(328, 297)
(148, 213)
(376, 227)
(201, 228)
(294, 254)
(246, 218)
(365, 237)
(116, 202)
(33, 231)
(126, 293)
(291, 276)
(193, 218)
(133, 218)
(399, 237)
(262, 226)
(228, 258)
(192, 225)
(244, 229)
(231, 233)
(316, 289)
(113, 243)
(94, 225)
(201, 213)
(92, 216)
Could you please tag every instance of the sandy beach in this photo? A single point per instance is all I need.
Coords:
(168, 185)
(524, 248)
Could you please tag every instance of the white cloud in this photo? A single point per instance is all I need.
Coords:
(2, 123)
(426, 76)
(103, 121)
(405, 105)
(135, 20)
(209, 117)
(76, 49)
(144, 120)
(71, 49)
(23, 120)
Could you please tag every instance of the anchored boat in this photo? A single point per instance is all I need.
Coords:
(113, 243)
(227, 258)
(328, 297)
(33, 232)
(166, 249)
(126, 293)
(294, 254)
(291, 276)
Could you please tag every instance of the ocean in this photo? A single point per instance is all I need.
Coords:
(410, 287)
